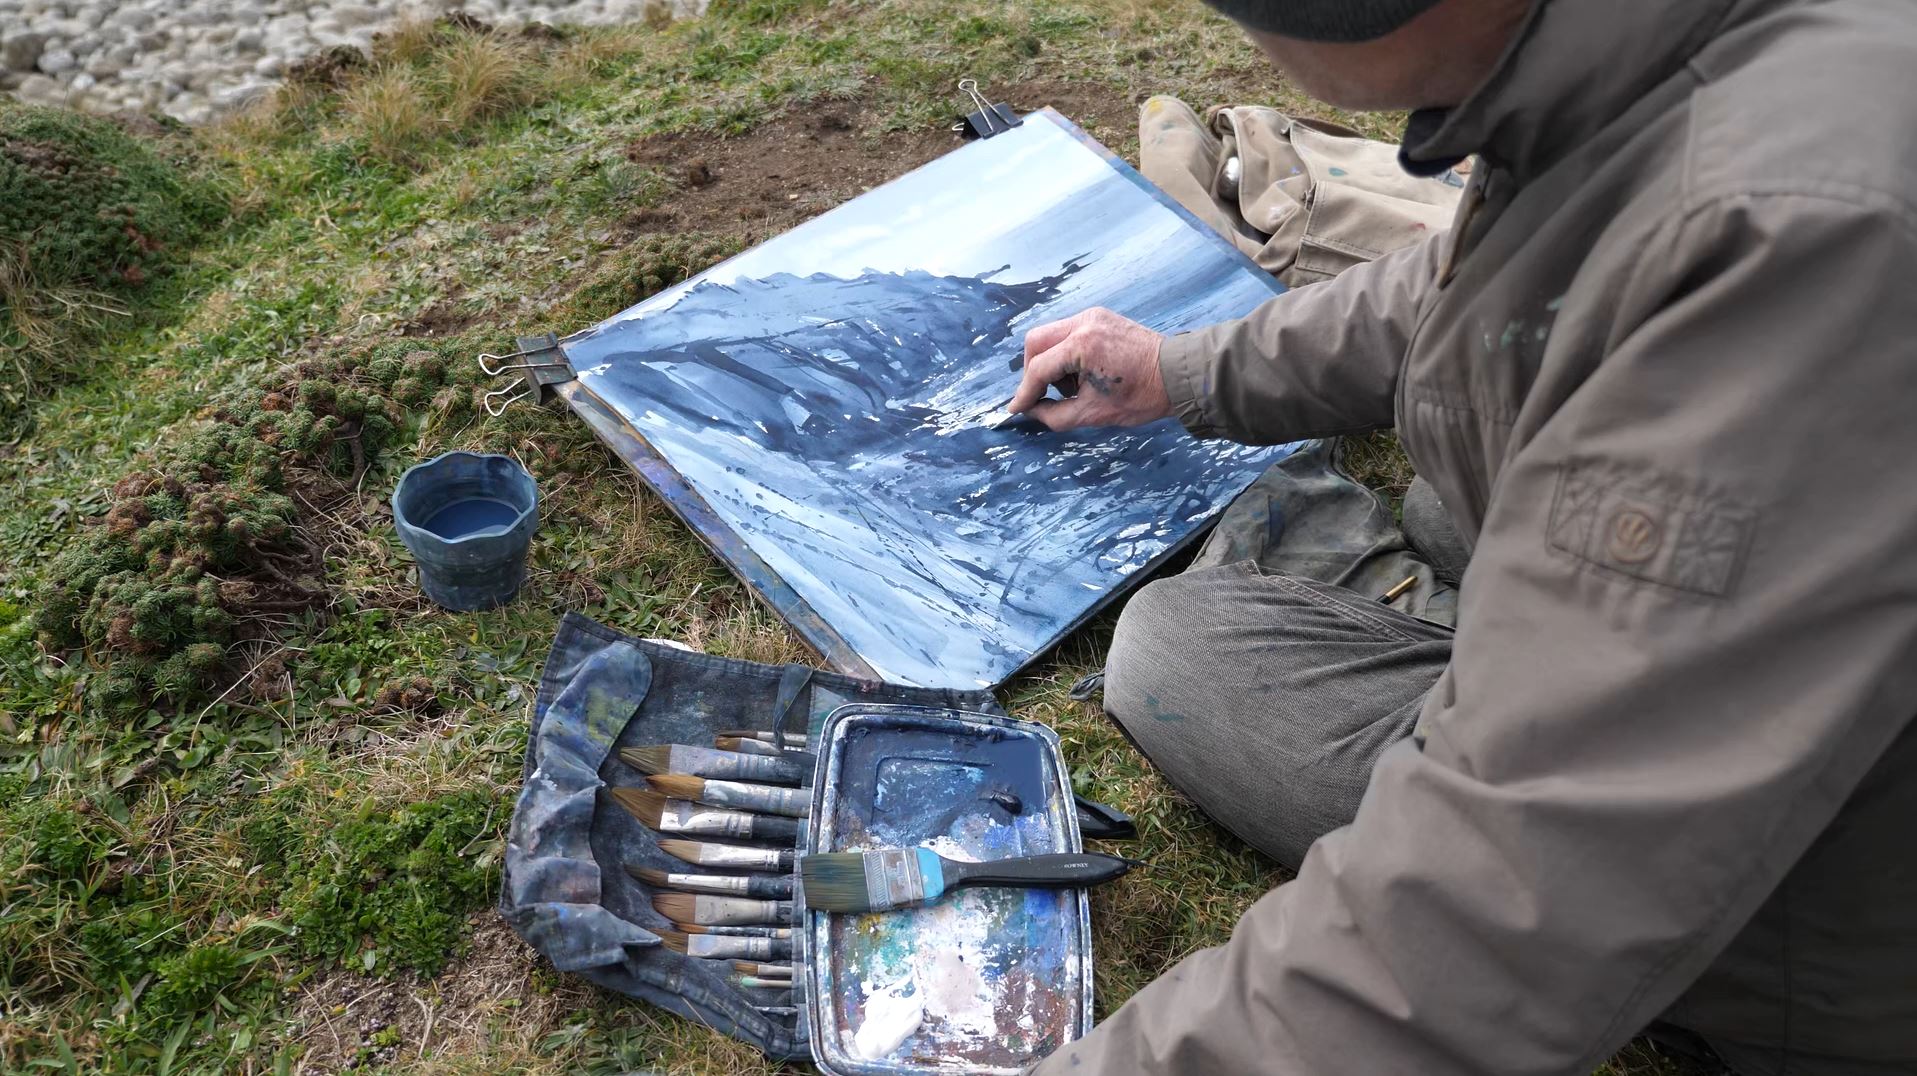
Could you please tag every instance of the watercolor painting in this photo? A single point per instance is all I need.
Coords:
(823, 402)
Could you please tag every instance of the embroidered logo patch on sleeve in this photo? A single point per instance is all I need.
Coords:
(1650, 526)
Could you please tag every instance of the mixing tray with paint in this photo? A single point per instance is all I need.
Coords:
(986, 980)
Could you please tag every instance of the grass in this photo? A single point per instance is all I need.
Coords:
(277, 857)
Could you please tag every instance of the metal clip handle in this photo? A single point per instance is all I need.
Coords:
(512, 394)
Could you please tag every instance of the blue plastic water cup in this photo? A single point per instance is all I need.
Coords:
(468, 520)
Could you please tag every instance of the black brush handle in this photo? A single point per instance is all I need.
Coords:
(772, 827)
(1060, 870)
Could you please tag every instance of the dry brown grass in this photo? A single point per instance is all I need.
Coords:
(481, 75)
(409, 41)
(39, 319)
(392, 112)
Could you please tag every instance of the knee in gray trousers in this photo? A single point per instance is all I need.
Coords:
(1266, 698)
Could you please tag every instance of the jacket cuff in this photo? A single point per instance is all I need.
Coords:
(1185, 363)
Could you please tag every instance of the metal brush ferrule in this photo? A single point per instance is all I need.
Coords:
(893, 879)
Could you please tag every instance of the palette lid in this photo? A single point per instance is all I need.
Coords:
(986, 980)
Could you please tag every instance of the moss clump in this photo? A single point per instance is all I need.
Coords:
(91, 203)
(158, 588)
(89, 214)
(648, 267)
(399, 883)
(189, 982)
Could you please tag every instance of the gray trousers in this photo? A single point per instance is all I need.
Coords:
(1265, 681)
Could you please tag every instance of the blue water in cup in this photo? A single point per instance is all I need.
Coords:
(468, 520)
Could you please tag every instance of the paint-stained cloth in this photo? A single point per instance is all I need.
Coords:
(567, 889)
(1656, 371)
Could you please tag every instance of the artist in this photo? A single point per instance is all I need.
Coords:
(1661, 375)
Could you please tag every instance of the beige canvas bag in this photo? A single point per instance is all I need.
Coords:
(1304, 199)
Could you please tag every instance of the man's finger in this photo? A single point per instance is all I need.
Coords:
(1058, 415)
(1051, 365)
(1048, 335)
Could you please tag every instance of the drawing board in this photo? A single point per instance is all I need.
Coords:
(816, 408)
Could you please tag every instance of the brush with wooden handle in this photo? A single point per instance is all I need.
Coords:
(724, 765)
(766, 799)
(731, 857)
(890, 878)
(762, 743)
(764, 971)
(783, 933)
(725, 945)
(764, 886)
(721, 911)
(678, 816)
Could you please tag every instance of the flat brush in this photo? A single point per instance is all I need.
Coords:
(724, 945)
(783, 933)
(751, 982)
(766, 971)
(729, 856)
(726, 765)
(771, 886)
(889, 878)
(767, 799)
(678, 816)
(721, 911)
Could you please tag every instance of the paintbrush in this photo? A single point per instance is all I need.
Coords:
(678, 816)
(767, 971)
(722, 945)
(767, 736)
(729, 856)
(721, 911)
(784, 933)
(766, 799)
(773, 886)
(753, 982)
(764, 749)
(726, 765)
(889, 878)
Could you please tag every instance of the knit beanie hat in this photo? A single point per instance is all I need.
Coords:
(1322, 20)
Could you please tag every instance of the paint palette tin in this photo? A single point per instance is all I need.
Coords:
(986, 980)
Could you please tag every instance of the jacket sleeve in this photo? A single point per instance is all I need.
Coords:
(1316, 361)
(1686, 634)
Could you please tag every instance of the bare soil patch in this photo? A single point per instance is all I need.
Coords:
(809, 160)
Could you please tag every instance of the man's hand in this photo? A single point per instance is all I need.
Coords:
(1106, 365)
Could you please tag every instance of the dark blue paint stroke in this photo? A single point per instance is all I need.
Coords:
(843, 423)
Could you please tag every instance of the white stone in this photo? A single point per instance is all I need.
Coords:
(40, 90)
(54, 61)
(20, 52)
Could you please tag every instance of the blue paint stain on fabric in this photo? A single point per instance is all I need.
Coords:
(830, 396)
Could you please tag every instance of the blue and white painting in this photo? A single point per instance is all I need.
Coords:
(827, 394)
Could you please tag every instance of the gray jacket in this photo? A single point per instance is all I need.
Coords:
(1663, 372)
